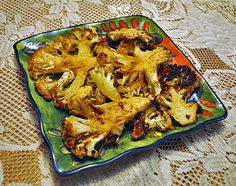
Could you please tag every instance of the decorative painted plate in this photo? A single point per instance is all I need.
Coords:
(50, 118)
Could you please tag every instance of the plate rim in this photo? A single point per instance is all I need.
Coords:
(131, 151)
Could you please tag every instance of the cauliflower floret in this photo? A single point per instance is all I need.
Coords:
(145, 61)
(153, 118)
(104, 83)
(181, 77)
(184, 113)
(67, 52)
(82, 135)
(130, 33)
(45, 85)
(75, 98)
(148, 61)
(63, 92)
(157, 118)
(47, 60)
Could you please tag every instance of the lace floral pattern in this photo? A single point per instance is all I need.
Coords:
(65, 10)
(201, 29)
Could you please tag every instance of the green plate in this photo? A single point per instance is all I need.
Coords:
(50, 118)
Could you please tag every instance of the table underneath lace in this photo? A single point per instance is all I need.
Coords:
(204, 30)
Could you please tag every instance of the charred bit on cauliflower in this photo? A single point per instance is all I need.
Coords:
(181, 77)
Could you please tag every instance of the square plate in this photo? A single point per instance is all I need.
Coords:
(50, 118)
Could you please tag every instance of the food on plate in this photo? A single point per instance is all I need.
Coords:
(152, 118)
(66, 52)
(123, 80)
(130, 34)
(82, 135)
(184, 113)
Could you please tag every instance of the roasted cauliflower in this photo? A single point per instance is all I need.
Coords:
(131, 34)
(106, 84)
(74, 97)
(66, 52)
(44, 86)
(81, 136)
(148, 61)
(140, 61)
(153, 118)
(184, 113)
(180, 77)
(77, 47)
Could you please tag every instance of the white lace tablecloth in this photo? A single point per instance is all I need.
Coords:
(206, 32)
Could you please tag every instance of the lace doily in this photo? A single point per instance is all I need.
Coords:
(204, 30)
